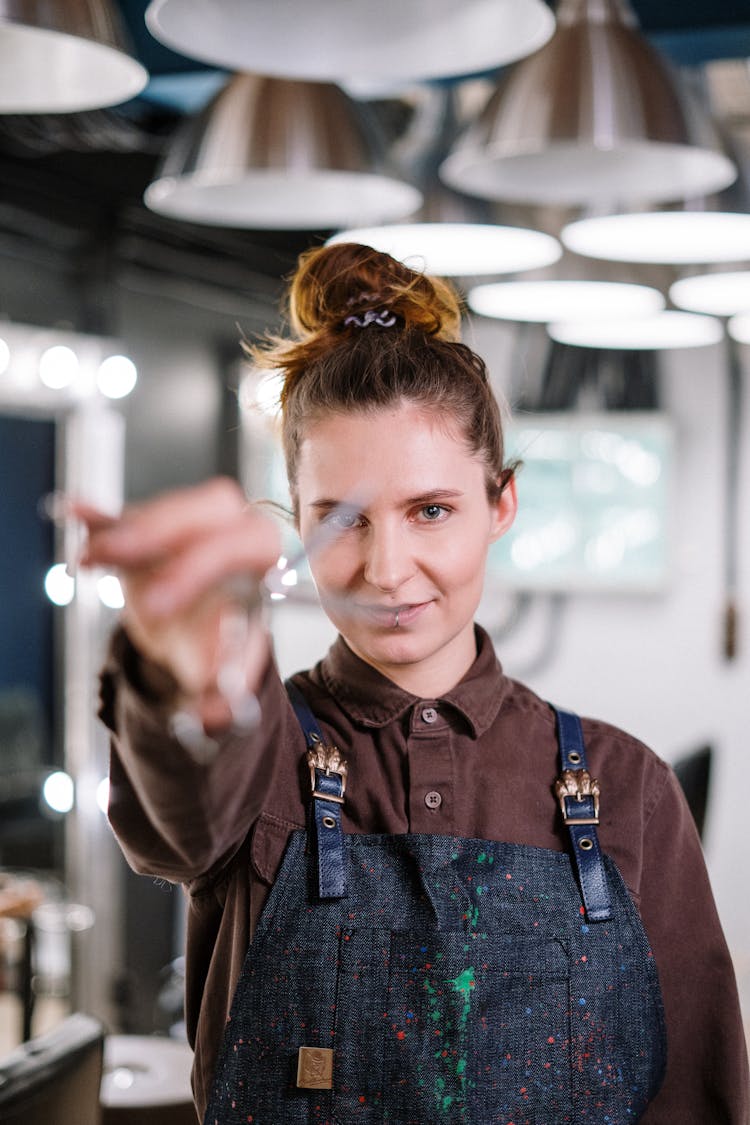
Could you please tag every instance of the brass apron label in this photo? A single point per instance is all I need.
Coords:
(315, 1068)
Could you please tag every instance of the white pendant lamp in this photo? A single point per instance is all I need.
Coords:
(459, 249)
(64, 57)
(662, 237)
(719, 294)
(385, 41)
(739, 328)
(268, 153)
(593, 118)
(542, 301)
(665, 330)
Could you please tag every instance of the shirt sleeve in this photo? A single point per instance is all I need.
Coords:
(707, 1071)
(174, 817)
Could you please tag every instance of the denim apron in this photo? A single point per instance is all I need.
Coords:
(415, 979)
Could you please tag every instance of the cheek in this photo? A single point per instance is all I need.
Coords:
(334, 568)
(462, 563)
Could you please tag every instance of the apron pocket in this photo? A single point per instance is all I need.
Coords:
(477, 1029)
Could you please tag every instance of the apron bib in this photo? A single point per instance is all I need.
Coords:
(449, 980)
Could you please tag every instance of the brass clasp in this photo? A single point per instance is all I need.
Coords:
(577, 784)
(329, 760)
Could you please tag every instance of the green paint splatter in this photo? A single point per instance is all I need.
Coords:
(444, 1101)
(453, 1049)
(464, 983)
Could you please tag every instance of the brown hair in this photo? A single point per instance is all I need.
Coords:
(342, 360)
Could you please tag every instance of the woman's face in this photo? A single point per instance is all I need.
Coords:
(402, 574)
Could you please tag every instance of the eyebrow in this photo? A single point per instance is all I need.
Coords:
(432, 496)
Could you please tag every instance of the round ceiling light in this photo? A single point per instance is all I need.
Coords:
(543, 301)
(267, 153)
(64, 58)
(270, 199)
(662, 237)
(659, 332)
(594, 118)
(739, 328)
(720, 294)
(386, 41)
(459, 249)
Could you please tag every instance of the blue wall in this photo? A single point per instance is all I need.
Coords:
(27, 473)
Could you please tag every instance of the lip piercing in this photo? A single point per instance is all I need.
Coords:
(396, 625)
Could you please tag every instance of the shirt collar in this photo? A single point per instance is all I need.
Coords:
(370, 698)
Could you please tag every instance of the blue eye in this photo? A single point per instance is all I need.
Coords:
(344, 520)
(433, 512)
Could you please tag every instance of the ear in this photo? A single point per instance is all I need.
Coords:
(504, 510)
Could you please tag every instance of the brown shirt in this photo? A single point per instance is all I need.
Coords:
(488, 748)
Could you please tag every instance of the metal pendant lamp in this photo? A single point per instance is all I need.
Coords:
(383, 41)
(596, 118)
(669, 237)
(662, 331)
(268, 153)
(718, 294)
(452, 235)
(459, 249)
(64, 57)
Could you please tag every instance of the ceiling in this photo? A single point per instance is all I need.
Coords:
(71, 186)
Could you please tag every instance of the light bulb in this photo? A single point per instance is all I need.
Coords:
(59, 586)
(58, 791)
(58, 367)
(110, 591)
(117, 376)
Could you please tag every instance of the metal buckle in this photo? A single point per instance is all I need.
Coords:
(575, 785)
(329, 760)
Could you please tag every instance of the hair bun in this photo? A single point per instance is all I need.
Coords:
(339, 283)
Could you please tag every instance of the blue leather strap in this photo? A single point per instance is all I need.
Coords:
(328, 784)
(326, 815)
(579, 802)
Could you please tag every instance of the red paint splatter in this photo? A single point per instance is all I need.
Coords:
(401, 1035)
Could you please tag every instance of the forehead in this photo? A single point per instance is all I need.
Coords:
(407, 448)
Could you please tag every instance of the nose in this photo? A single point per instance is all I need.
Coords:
(388, 559)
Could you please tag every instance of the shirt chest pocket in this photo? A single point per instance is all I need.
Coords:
(269, 843)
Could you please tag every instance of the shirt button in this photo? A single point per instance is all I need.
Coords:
(429, 715)
(433, 800)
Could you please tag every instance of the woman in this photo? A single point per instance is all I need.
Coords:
(416, 910)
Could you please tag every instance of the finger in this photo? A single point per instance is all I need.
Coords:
(250, 546)
(92, 518)
(146, 533)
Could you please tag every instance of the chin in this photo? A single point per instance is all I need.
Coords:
(393, 649)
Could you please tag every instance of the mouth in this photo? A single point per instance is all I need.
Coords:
(396, 616)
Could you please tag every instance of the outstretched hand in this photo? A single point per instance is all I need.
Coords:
(184, 559)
